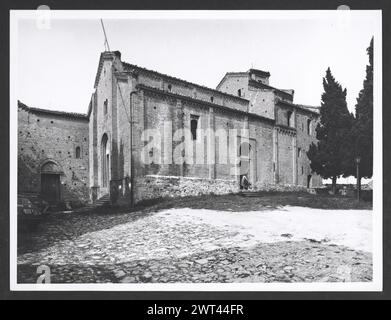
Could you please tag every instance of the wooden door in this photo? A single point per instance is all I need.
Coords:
(50, 187)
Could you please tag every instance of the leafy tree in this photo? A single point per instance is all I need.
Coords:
(328, 156)
(362, 130)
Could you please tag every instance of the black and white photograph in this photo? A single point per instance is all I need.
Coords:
(196, 150)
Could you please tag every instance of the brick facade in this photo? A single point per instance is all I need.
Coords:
(50, 139)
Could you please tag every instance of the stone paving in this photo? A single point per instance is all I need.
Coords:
(165, 248)
(277, 262)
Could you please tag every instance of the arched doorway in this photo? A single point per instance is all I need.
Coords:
(50, 181)
(245, 165)
(105, 161)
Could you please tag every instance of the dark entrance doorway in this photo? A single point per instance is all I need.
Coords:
(245, 165)
(50, 187)
(50, 182)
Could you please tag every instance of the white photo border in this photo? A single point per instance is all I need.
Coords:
(375, 286)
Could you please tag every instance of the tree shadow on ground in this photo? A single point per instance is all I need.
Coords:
(262, 201)
(60, 227)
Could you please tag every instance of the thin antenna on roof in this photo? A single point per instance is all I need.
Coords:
(106, 44)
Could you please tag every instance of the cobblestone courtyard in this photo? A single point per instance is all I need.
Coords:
(185, 244)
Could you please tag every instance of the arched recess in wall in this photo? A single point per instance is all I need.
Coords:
(78, 152)
(105, 161)
(51, 166)
(245, 158)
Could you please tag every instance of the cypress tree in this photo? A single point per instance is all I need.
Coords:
(362, 130)
(328, 156)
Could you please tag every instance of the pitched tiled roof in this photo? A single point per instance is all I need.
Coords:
(131, 67)
(312, 109)
(105, 54)
(72, 115)
(231, 74)
(266, 86)
(245, 73)
(260, 72)
(221, 107)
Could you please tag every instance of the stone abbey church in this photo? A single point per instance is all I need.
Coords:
(78, 158)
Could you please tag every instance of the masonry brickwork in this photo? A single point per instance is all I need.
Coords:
(129, 102)
(49, 139)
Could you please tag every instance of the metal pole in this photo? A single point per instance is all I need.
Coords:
(131, 152)
(358, 180)
(104, 32)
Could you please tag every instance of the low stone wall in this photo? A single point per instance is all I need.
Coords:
(155, 186)
(152, 187)
(277, 187)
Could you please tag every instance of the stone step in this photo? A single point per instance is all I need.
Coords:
(101, 202)
(250, 194)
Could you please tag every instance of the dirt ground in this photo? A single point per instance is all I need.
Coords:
(206, 239)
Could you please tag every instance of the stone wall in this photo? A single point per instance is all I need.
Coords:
(180, 87)
(262, 133)
(123, 90)
(152, 187)
(260, 78)
(110, 117)
(105, 118)
(277, 187)
(45, 137)
(93, 142)
(304, 140)
(282, 116)
(234, 82)
(262, 102)
(155, 187)
(286, 138)
(161, 110)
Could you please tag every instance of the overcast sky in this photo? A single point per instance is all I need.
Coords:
(57, 66)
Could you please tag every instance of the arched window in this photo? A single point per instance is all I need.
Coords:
(194, 126)
(239, 92)
(78, 153)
